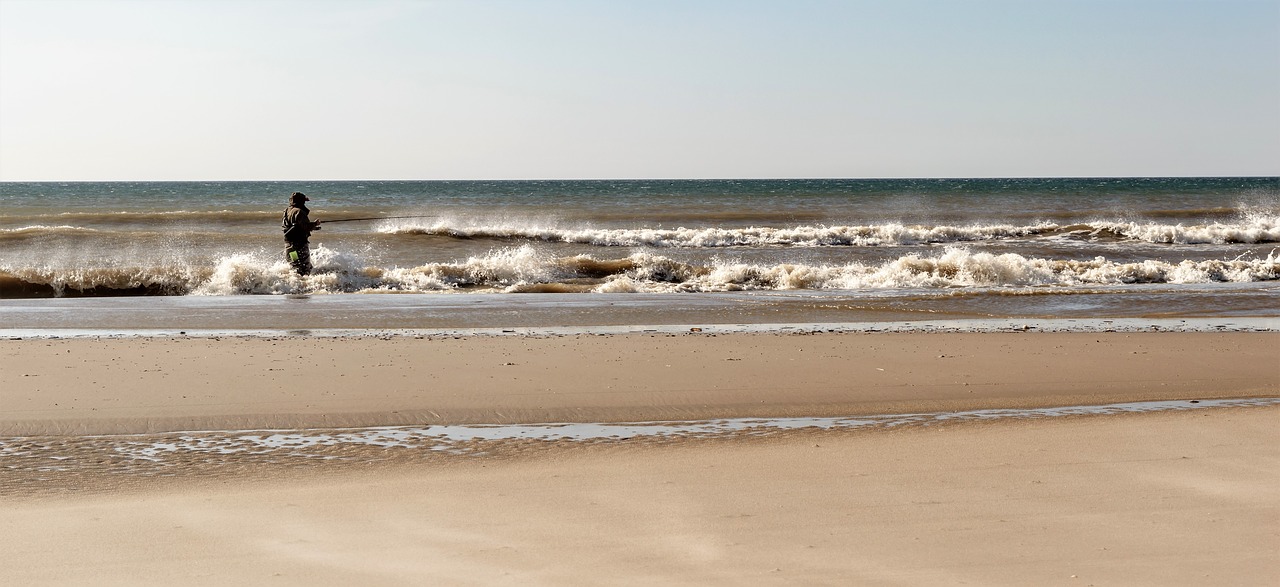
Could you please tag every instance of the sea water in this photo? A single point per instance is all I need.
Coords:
(489, 254)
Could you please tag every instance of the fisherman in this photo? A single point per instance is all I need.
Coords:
(297, 227)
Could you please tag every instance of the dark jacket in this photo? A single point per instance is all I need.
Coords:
(297, 224)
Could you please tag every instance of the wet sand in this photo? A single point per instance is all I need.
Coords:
(1177, 498)
(130, 385)
(1158, 499)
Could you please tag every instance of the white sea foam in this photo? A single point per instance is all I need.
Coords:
(518, 268)
(955, 267)
(876, 235)
(498, 268)
(40, 229)
(1255, 228)
(248, 273)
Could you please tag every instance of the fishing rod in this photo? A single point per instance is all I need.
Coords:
(375, 218)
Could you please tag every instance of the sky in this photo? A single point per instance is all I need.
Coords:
(107, 90)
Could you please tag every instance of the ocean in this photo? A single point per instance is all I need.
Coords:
(120, 256)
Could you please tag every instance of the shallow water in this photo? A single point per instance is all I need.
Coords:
(1200, 307)
(153, 454)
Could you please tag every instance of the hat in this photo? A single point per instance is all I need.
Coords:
(298, 197)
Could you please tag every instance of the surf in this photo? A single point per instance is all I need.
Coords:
(1259, 230)
(526, 268)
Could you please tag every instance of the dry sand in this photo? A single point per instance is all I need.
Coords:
(1187, 498)
(1162, 499)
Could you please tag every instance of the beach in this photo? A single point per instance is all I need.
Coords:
(1004, 381)
(639, 294)
(1173, 496)
(159, 384)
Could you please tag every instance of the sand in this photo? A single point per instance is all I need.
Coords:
(1162, 499)
(1174, 498)
(99, 386)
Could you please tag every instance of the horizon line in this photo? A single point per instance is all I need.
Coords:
(637, 179)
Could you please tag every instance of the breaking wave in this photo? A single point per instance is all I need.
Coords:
(1260, 228)
(526, 269)
(1252, 230)
(954, 268)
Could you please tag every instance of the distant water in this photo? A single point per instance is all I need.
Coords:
(985, 247)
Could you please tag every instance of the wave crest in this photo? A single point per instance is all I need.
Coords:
(1251, 230)
(526, 269)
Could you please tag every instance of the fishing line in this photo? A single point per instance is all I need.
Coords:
(375, 218)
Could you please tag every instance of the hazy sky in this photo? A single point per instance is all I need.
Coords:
(169, 90)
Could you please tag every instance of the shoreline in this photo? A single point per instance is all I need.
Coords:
(953, 325)
(1193, 306)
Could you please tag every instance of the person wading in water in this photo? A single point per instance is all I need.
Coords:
(297, 227)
